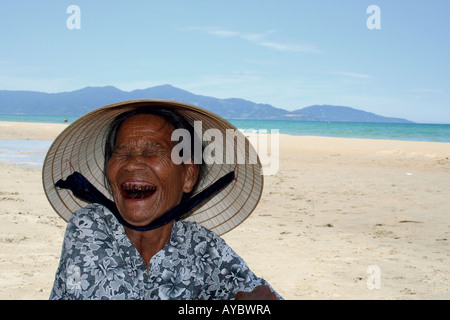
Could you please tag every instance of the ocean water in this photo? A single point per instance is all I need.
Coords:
(386, 131)
(24, 153)
(28, 153)
(31, 153)
(359, 130)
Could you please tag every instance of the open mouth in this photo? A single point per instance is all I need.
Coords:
(137, 191)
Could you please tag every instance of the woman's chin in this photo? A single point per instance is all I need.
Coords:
(136, 212)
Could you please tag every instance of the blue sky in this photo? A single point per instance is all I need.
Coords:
(288, 53)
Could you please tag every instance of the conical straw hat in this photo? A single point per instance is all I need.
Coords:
(81, 147)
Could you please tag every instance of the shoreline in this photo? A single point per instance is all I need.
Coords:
(336, 208)
(30, 130)
(10, 130)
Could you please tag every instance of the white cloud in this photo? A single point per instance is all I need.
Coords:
(293, 47)
(260, 39)
(426, 90)
(223, 33)
(353, 75)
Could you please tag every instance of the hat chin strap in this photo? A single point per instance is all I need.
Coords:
(83, 189)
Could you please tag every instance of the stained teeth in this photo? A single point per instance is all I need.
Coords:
(138, 191)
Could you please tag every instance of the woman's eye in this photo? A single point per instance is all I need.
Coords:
(120, 153)
(148, 153)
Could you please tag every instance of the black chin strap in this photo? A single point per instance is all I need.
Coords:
(84, 190)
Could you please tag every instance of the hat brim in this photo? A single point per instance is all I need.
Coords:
(80, 147)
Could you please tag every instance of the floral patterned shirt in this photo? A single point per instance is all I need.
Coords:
(98, 261)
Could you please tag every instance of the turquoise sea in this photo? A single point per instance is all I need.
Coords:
(361, 130)
(386, 131)
(31, 153)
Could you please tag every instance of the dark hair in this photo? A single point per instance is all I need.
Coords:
(171, 116)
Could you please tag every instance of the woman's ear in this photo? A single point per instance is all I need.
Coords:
(192, 171)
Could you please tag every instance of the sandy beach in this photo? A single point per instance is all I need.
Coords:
(341, 219)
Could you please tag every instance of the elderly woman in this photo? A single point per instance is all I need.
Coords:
(144, 241)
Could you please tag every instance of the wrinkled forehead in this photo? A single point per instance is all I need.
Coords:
(145, 126)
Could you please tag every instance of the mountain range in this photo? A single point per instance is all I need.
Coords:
(79, 102)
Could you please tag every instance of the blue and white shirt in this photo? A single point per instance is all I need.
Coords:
(98, 261)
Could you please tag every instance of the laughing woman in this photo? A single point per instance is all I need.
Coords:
(155, 234)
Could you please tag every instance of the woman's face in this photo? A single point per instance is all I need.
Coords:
(145, 182)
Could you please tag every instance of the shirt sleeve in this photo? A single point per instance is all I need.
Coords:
(69, 280)
(231, 275)
(59, 290)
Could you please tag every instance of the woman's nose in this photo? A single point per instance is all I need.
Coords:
(134, 162)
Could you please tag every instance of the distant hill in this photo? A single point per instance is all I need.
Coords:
(79, 102)
(339, 114)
